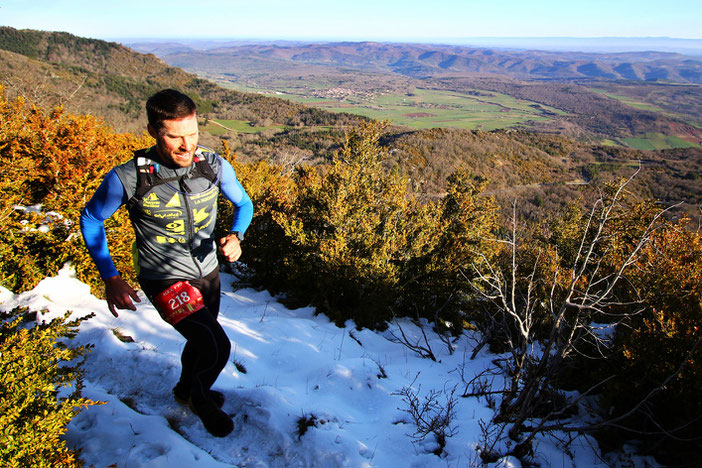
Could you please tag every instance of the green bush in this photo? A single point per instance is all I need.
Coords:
(457, 235)
(347, 231)
(35, 364)
(352, 240)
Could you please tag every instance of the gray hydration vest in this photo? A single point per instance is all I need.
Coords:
(173, 212)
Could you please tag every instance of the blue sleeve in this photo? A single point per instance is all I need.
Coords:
(235, 193)
(109, 196)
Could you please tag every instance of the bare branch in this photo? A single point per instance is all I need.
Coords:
(424, 350)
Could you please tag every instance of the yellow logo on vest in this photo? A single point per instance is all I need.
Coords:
(174, 201)
(176, 227)
(200, 215)
(152, 201)
(170, 240)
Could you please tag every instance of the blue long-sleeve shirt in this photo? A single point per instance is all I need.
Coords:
(112, 194)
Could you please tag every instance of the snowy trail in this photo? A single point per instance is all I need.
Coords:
(294, 363)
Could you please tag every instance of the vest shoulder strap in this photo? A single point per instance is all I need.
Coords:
(148, 178)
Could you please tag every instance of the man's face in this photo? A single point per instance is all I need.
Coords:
(176, 140)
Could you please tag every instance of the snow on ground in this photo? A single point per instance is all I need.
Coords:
(292, 364)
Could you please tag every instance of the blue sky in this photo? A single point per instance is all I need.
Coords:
(357, 19)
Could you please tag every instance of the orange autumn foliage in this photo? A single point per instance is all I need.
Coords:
(53, 162)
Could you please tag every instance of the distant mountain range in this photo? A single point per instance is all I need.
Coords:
(691, 47)
(426, 60)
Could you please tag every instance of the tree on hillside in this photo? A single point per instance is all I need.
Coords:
(555, 299)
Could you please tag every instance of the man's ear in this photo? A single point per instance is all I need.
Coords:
(152, 131)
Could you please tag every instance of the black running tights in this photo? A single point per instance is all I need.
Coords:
(207, 348)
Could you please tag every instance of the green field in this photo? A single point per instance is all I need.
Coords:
(426, 108)
(472, 110)
(657, 141)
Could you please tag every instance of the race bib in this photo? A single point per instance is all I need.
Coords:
(179, 301)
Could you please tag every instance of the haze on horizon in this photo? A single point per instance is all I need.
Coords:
(449, 21)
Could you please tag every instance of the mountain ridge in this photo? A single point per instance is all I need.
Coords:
(422, 60)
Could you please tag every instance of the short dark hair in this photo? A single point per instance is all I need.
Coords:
(168, 104)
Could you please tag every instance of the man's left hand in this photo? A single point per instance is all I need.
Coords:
(230, 247)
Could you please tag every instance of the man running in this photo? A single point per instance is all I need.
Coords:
(171, 191)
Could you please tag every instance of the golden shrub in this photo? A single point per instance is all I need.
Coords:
(54, 161)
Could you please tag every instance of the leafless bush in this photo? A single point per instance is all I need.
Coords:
(429, 414)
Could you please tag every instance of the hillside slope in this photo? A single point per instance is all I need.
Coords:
(110, 80)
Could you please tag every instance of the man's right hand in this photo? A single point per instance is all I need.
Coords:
(119, 294)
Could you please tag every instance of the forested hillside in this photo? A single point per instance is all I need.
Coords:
(592, 115)
(111, 81)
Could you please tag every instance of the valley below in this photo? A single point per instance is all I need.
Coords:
(631, 100)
